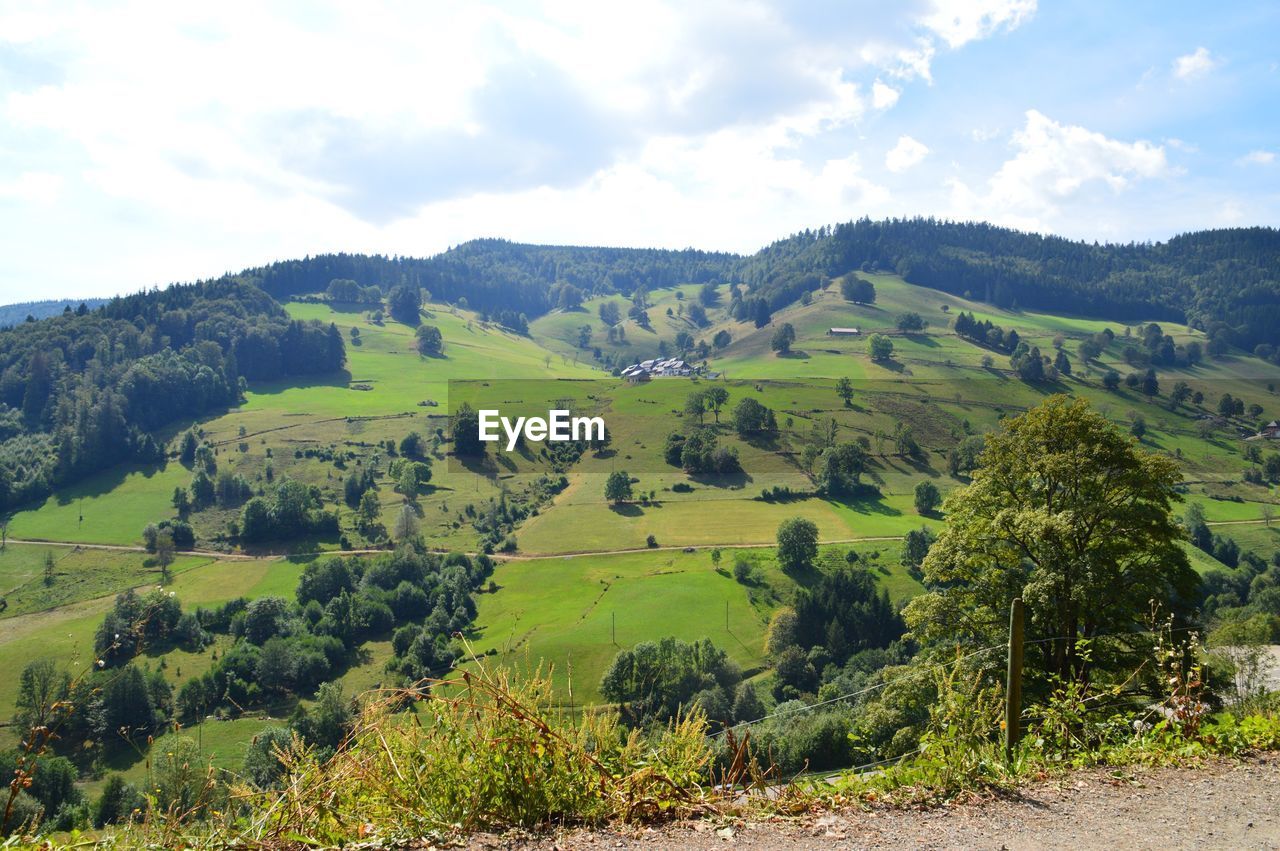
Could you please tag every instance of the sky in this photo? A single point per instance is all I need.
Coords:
(145, 143)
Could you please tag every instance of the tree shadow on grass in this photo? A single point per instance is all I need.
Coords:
(100, 484)
(870, 507)
(339, 379)
(301, 546)
(805, 577)
(626, 509)
(762, 441)
(480, 465)
(723, 480)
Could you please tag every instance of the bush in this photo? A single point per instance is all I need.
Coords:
(119, 802)
(800, 739)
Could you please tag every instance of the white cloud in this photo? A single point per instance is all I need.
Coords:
(172, 141)
(883, 96)
(961, 21)
(1194, 65)
(1257, 158)
(907, 153)
(32, 186)
(1052, 164)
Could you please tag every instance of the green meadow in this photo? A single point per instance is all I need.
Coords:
(574, 613)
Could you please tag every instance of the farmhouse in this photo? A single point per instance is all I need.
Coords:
(1271, 431)
(843, 332)
(657, 368)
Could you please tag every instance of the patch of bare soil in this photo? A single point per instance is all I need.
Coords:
(1233, 805)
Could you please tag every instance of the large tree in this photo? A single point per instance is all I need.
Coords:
(430, 341)
(403, 302)
(1070, 514)
(797, 544)
(783, 338)
(617, 488)
(858, 289)
(880, 347)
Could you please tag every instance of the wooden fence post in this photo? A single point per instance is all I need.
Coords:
(1013, 685)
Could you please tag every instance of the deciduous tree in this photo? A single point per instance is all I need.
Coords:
(1068, 513)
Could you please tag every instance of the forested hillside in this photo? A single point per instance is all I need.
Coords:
(85, 390)
(493, 274)
(12, 314)
(1224, 282)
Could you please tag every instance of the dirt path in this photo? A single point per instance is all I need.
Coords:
(1223, 805)
(216, 554)
(123, 548)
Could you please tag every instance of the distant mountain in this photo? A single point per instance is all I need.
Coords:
(12, 314)
(1225, 282)
(498, 275)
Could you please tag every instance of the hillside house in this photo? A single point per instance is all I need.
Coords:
(843, 332)
(657, 368)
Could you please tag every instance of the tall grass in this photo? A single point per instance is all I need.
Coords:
(481, 752)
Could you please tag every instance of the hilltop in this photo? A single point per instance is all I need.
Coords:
(12, 314)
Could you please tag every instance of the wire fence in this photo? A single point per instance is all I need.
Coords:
(937, 666)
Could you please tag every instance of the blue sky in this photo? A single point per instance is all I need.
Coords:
(143, 143)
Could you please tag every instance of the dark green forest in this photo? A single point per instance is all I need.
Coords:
(491, 275)
(1224, 282)
(84, 390)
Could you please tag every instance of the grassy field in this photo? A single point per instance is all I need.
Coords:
(575, 613)
(109, 508)
(935, 383)
(78, 575)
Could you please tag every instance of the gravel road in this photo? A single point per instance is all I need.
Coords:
(1232, 805)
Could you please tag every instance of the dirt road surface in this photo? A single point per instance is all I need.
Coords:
(1228, 805)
